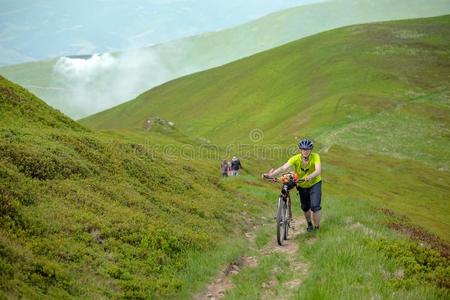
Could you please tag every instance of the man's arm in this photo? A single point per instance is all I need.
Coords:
(281, 169)
(318, 168)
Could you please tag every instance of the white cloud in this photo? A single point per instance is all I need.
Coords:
(105, 80)
(85, 70)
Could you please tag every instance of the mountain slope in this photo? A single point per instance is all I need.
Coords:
(91, 215)
(102, 83)
(324, 85)
(142, 213)
(111, 215)
(374, 97)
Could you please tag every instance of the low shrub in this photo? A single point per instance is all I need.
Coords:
(42, 165)
(419, 262)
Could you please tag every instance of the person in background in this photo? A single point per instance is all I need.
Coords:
(235, 165)
(224, 168)
(229, 170)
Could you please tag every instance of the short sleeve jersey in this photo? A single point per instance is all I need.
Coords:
(304, 170)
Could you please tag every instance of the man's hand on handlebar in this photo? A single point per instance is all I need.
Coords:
(268, 175)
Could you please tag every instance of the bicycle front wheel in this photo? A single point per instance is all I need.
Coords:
(280, 226)
(286, 219)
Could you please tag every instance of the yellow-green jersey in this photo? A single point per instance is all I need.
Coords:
(304, 170)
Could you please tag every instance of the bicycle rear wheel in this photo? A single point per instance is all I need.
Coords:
(280, 226)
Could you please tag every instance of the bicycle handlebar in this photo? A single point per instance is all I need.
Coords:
(277, 179)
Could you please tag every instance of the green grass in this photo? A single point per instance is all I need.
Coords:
(375, 94)
(327, 86)
(86, 214)
(353, 256)
(405, 186)
(131, 212)
(348, 262)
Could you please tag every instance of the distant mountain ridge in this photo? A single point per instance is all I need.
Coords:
(112, 79)
(350, 77)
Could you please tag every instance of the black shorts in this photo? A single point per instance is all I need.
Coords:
(310, 198)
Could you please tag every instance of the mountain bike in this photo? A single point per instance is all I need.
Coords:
(284, 211)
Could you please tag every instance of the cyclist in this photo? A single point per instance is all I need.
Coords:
(307, 167)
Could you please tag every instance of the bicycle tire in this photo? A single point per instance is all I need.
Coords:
(286, 219)
(280, 221)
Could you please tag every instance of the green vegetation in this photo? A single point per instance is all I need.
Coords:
(355, 256)
(139, 211)
(375, 97)
(87, 214)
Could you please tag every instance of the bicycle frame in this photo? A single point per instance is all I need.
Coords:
(287, 197)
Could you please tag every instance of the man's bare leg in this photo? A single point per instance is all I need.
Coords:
(308, 219)
(316, 218)
(308, 216)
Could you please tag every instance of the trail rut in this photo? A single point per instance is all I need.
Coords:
(222, 283)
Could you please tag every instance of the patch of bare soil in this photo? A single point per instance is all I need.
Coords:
(222, 283)
(290, 246)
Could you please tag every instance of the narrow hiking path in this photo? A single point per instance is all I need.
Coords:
(272, 287)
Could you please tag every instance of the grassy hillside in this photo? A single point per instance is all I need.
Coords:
(78, 96)
(375, 97)
(142, 214)
(89, 215)
(86, 214)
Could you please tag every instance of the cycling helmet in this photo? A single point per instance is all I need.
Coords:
(305, 144)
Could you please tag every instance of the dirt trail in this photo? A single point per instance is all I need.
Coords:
(222, 283)
(217, 288)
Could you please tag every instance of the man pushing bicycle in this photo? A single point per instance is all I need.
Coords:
(308, 168)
